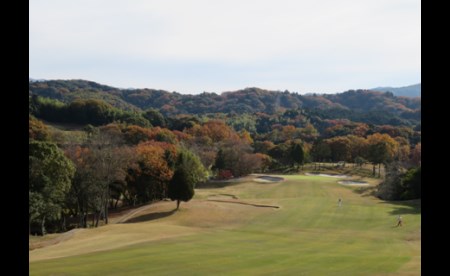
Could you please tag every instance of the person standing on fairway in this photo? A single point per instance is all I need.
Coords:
(339, 202)
(399, 221)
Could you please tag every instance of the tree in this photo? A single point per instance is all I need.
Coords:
(416, 155)
(133, 135)
(219, 163)
(358, 146)
(37, 130)
(309, 133)
(237, 156)
(50, 174)
(400, 184)
(281, 153)
(360, 161)
(297, 154)
(189, 171)
(412, 182)
(320, 152)
(149, 177)
(382, 149)
(101, 163)
(340, 148)
(155, 117)
(107, 162)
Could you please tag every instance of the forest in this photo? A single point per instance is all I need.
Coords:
(95, 148)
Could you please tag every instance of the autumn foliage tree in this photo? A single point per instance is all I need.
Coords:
(37, 130)
(149, 176)
(382, 149)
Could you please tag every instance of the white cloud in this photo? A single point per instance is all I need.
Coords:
(334, 37)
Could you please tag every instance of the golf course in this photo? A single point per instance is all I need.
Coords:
(271, 225)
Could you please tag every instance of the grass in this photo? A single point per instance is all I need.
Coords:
(308, 235)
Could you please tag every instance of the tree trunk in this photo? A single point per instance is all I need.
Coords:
(108, 193)
(97, 215)
(82, 222)
(379, 170)
(106, 214)
(63, 222)
(43, 226)
(178, 204)
(115, 205)
(373, 171)
(85, 218)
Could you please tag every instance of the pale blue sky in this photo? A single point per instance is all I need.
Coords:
(191, 46)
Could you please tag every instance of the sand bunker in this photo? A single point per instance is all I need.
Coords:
(328, 175)
(268, 179)
(353, 183)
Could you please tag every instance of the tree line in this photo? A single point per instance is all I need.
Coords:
(127, 158)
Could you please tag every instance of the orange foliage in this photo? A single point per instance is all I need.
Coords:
(416, 154)
(216, 130)
(37, 129)
(392, 145)
(246, 137)
(153, 156)
(136, 134)
(181, 136)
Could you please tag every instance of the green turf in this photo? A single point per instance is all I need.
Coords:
(308, 235)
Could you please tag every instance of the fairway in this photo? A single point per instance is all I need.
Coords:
(290, 227)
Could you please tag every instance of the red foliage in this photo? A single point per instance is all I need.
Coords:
(224, 175)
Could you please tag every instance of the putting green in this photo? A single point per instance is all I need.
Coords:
(308, 235)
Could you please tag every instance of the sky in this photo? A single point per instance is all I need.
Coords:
(193, 46)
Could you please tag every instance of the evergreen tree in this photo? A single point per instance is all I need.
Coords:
(188, 172)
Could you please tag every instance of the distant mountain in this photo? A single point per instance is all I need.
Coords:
(407, 91)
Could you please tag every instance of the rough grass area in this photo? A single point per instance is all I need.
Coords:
(308, 235)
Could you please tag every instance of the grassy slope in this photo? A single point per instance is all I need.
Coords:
(308, 235)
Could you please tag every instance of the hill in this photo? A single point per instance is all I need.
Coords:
(352, 104)
(406, 91)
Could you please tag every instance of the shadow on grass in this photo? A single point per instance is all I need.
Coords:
(216, 184)
(405, 207)
(366, 191)
(402, 207)
(152, 216)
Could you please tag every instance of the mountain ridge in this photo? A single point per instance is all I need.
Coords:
(414, 90)
(349, 104)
